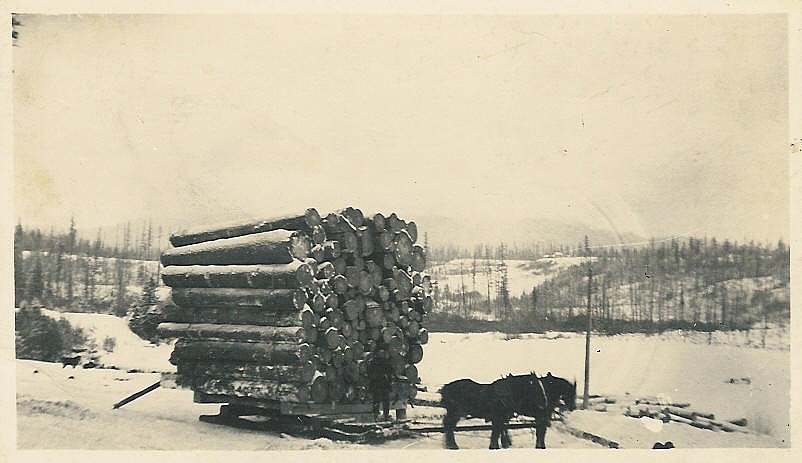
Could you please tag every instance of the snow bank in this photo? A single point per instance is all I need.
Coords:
(130, 351)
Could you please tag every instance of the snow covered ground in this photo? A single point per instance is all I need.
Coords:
(670, 367)
(56, 411)
(522, 275)
(130, 351)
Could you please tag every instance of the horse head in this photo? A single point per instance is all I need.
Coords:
(571, 402)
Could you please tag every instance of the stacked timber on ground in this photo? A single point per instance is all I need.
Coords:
(294, 309)
(681, 413)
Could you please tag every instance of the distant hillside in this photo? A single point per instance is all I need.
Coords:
(464, 233)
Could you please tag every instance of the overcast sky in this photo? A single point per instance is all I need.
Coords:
(656, 125)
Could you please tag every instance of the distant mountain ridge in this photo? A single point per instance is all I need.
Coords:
(441, 230)
(461, 232)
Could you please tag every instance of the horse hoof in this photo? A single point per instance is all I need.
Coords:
(452, 447)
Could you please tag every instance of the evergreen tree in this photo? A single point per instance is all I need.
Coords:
(36, 286)
(19, 268)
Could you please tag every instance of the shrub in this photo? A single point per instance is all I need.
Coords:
(109, 344)
(39, 337)
(144, 321)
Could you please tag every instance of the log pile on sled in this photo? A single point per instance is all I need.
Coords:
(681, 413)
(293, 309)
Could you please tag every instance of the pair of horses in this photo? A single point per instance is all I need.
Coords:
(528, 395)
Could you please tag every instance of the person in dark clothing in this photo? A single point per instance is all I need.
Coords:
(380, 377)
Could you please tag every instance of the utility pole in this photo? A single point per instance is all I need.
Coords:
(589, 326)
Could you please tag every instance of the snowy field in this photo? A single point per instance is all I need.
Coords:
(56, 411)
(670, 366)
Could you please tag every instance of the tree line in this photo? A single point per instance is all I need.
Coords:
(691, 283)
(67, 271)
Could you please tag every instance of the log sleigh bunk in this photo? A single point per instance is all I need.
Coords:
(280, 318)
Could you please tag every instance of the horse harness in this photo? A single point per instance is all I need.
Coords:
(502, 391)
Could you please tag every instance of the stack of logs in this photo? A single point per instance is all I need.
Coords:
(680, 413)
(294, 309)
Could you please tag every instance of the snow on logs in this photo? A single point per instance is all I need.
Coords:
(293, 309)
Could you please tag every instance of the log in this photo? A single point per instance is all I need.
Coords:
(375, 271)
(732, 427)
(324, 324)
(687, 414)
(418, 258)
(373, 314)
(318, 304)
(353, 308)
(423, 336)
(318, 234)
(240, 297)
(137, 395)
(194, 235)
(326, 251)
(388, 261)
(324, 286)
(274, 353)
(262, 389)
(378, 222)
(411, 372)
(352, 276)
(707, 415)
(354, 216)
(319, 389)
(382, 293)
(349, 243)
(332, 301)
(243, 333)
(394, 224)
(228, 315)
(365, 283)
(739, 422)
(412, 229)
(303, 372)
(331, 338)
(273, 247)
(383, 241)
(308, 318)
(714, 425)
(340, 284)
(331, 223)
(294, 275)
(325, 270)
(403, 248)
(415, 354)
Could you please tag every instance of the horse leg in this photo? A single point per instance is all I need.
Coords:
(540, 434)
(497, 430)
(506, 442)
(449, 423)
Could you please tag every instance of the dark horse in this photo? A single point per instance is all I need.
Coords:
(496, 402)
(561, 392)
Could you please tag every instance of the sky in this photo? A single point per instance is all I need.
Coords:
(653, 125)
